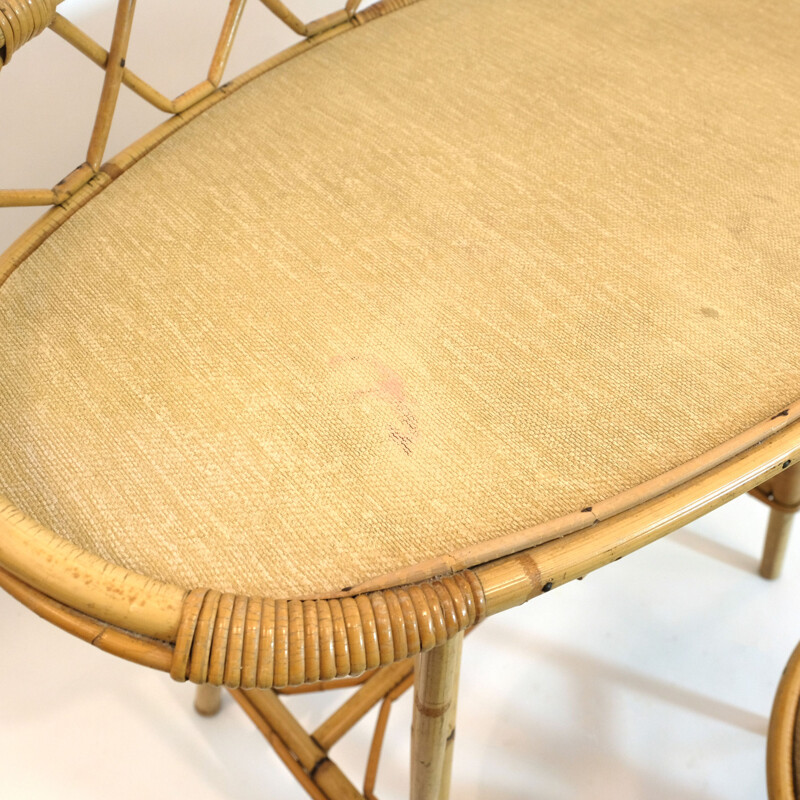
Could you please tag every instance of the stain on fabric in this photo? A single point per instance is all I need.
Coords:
(379, 392)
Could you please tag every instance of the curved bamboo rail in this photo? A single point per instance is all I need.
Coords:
(782, 739)
(262, 642)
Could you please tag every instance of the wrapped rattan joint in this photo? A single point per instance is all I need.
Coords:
(20, 21)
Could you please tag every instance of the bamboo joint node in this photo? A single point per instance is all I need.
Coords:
(20, 21)
(259, 643)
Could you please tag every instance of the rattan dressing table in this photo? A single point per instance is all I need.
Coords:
(450, 303)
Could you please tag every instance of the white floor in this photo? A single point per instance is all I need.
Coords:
(652, 678)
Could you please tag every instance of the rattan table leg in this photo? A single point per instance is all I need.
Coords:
(785, 489)
(433, 728)
(207, 699)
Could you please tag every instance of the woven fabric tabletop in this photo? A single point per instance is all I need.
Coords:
(471, 267)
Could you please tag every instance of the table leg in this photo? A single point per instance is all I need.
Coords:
(207, 699)
(785, 489)
(433, 728)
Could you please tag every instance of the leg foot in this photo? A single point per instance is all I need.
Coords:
(207, 699)
(433, 728)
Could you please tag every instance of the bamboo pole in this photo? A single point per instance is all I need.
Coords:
(380, 731)
(450, 728)
(779, 527)
(373, 760)
(27, 197)
(785, 490)
(514, 580)
(67, 186)
(286, 16)
(435, 693)
(314, 760)
(244, 699)
(356, 706)
(111, 84)
(225, 41)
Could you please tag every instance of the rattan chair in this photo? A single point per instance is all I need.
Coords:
(450, 303)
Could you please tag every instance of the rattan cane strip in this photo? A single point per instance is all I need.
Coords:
(280, 676)
(186, 631)
(234, 658)
(297, 643)
(251, 645)
(266, 646)
(313, 666)
(213, 644)
(383, 627)
(204, 625)
(327, 651)
(341, 647)
(399, 640)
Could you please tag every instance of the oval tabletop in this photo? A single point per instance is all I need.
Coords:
(459, 281)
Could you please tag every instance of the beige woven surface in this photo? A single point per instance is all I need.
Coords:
(471, 267)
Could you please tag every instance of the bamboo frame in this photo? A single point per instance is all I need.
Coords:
(383, 686)
(494, 586)
(260, 643)
(249, 644)
(307, 755)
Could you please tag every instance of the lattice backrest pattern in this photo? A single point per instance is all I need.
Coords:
(21, 20)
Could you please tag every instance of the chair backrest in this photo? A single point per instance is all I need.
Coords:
(783, 739)
(22, 20)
